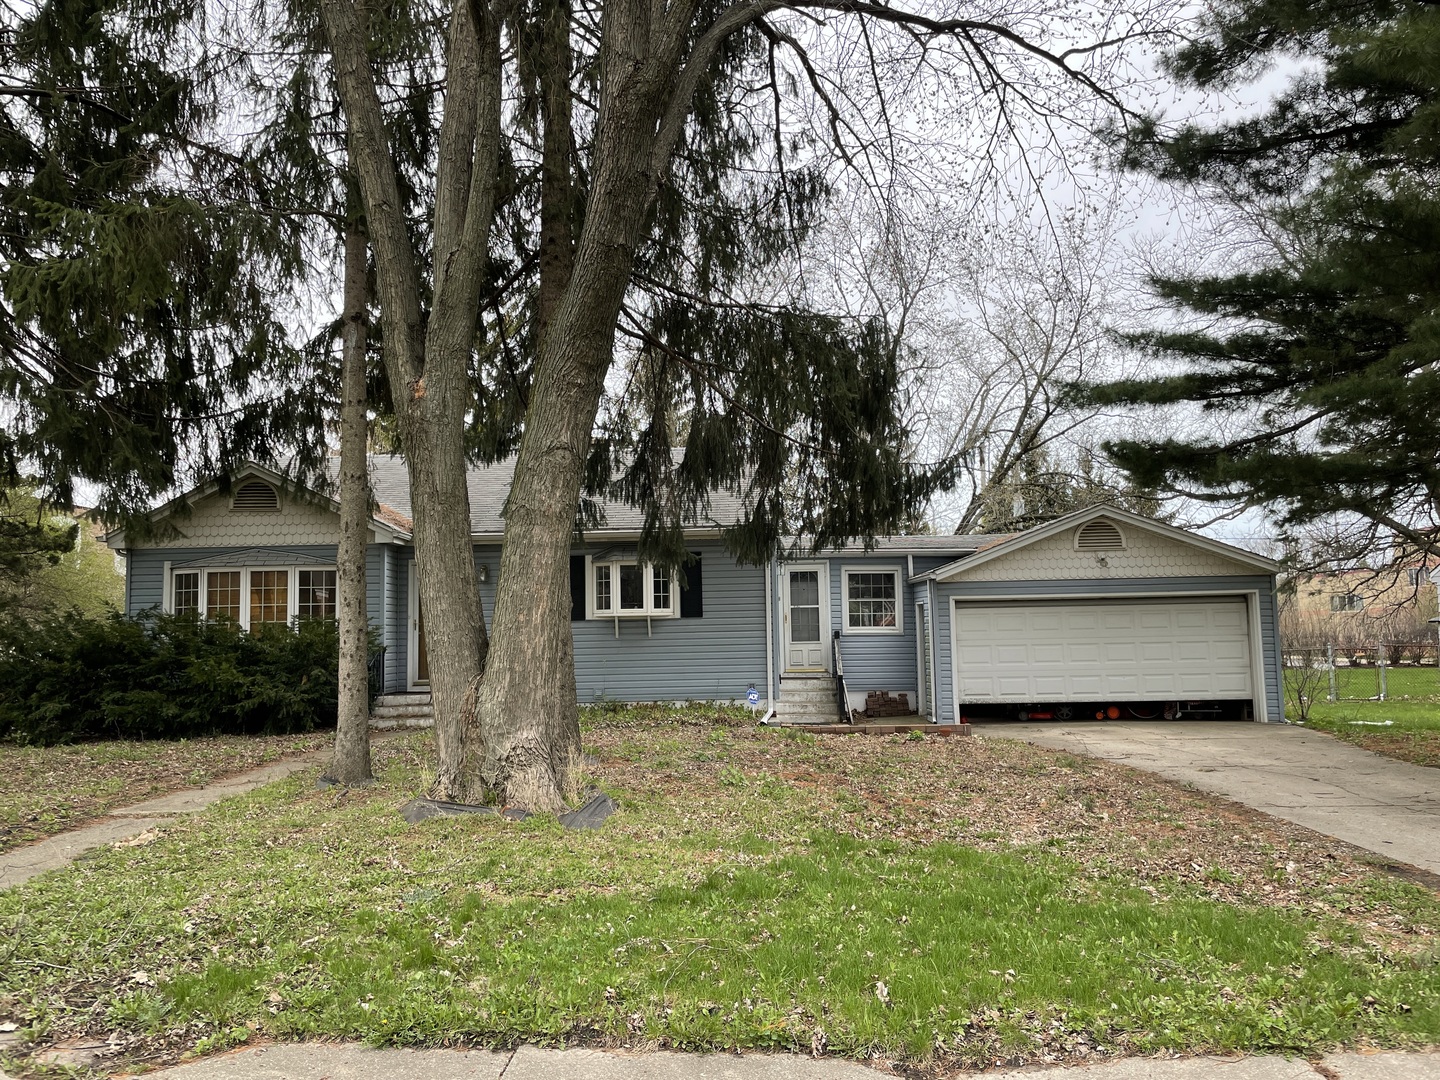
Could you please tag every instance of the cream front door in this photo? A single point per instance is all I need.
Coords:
(807, 617)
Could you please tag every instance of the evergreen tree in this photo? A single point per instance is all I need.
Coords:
(140, 345)
(50, 562)
(1316, 374)
(32, 538)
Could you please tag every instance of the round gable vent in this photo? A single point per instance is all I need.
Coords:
(1099, 535)
(255, 495)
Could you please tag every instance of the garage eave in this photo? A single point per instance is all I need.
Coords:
(957, 570)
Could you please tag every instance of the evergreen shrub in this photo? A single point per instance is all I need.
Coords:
(154, 676)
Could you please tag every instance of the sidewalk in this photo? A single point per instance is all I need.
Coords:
(127, 822)
(330, 1061)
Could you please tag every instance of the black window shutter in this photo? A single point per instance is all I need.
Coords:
(577, 588)
(692, 597)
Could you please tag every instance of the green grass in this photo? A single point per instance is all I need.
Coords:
(1406, 725)
(755, 891)
(48, 789)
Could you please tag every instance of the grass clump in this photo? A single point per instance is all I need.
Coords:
(1407, 729)
(954, 901)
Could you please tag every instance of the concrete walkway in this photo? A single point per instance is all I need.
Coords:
(1386, 806)
(320, 1061)
(128, 822)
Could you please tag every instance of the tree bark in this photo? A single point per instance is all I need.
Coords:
(527, 707)
(427, 354)
(350, 764)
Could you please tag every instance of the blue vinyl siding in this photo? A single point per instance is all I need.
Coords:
(875, 661)
(946, 592)
(397, 670)
(715, 657)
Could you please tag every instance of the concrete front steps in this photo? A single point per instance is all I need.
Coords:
(402, 711)
(807, 699)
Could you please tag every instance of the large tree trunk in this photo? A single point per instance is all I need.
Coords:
(526, 707)
(455, 636)
(351, 762)
(427, 355)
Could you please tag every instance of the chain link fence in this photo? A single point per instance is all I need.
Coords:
(1365, 673)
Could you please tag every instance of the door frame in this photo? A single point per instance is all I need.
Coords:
(412, 634)
(823, 582)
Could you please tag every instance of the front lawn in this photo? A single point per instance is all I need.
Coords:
(1404, 729)
(48, 789)
(914, 898)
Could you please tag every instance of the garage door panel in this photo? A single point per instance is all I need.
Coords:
(1043, 653)
(1119, 650)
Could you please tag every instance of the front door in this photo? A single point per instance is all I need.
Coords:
(419, 665)
(807, 589)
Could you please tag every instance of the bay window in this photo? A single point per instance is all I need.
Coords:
(628, 588)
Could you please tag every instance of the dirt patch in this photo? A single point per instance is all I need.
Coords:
(1416, 747)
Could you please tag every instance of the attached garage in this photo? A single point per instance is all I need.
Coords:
(1103, 607)
(1152, 649)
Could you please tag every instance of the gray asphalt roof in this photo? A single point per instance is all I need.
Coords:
(489, 484)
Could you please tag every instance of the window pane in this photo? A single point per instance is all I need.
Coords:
(870, 600)
(804, 587)
(602, 587)
(222, 595)
(662, 589)
(187, 593)
(269, 596)
(315, 598)
(632, 588)
(804, 624)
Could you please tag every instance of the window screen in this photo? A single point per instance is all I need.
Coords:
(187, 593)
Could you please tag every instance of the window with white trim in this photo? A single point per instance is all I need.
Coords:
(187, 593)
(255, 596)
(315, 591)
(628, 588)
(872, 601)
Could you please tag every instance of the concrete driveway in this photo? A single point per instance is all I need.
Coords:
(1386, 806)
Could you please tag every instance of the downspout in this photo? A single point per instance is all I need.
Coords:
(769, 644)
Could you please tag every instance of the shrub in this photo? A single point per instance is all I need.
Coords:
(77, 676)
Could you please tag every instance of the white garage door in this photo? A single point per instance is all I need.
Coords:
(1128, 650)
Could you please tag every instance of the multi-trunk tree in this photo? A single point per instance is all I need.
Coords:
(606, 176)
(1306, 382)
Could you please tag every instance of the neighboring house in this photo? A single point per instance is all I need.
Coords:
(1361, 607)
(1098, 608)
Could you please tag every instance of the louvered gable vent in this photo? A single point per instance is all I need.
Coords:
(254, 495)
(1099, 535)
